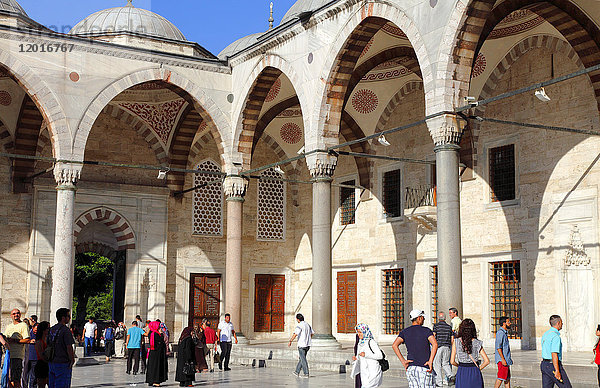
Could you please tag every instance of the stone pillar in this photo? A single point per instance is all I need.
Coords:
(447, 132)
(66, 176)
(235, 190)
(322, 167)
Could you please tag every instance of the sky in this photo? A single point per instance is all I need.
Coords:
(212, 23)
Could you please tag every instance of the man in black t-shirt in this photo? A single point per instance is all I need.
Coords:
(64, 357)
(421, 347)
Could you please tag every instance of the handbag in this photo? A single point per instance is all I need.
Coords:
(217, 358)
(189, 368)
(384, 363)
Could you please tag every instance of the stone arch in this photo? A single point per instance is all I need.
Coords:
(6, 139)
(347, 47)
(405, 90)
(209, 111)
(518, 50)
(94, 247)
(470, 25)
(260, 81)
(45, 100)
(288, 168)
(116, 222)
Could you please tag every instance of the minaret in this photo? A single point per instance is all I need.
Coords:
(271, 20)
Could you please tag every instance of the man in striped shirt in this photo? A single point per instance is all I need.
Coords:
(441, 362)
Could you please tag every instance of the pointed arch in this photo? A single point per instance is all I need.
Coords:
(405, 90)
(115, 221)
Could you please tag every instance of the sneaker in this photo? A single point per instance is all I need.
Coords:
(304, 376)
(227, 369)
(212, 371)
(296, 374)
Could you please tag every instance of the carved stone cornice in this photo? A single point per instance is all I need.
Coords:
(235, 187)
(67, 175)
(446, 129)
(321, 164)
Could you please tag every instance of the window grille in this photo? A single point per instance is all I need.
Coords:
(502, 173)
(392, 194)
(271, 206)
(434, 293)
(208, 202)
(393, 300)
(347, 203)
(505, 284)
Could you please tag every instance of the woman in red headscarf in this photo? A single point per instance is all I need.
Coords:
(156, 367)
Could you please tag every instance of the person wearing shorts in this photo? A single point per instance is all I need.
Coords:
(17, 335)
(502, 353)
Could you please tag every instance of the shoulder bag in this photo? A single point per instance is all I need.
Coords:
(385, 365)
(49, 352)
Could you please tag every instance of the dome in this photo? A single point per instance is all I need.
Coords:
(301, 6)
(127, 19)
(12, 6)
(239, 45)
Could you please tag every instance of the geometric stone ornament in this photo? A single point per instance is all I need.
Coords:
(208, 202)
(576, 255)
(270, 220)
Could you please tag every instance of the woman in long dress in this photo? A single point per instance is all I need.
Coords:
(156, 367)
(186, 355)
(200, 342)
(368, 358)
(466, 352)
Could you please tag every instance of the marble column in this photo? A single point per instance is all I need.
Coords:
(447, 132)
(322, 167)
(66, 176)
(235, 190)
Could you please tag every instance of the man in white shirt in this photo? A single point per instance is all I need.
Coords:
(304, 333)
(454, 319)
(90, 330)
(224, 333)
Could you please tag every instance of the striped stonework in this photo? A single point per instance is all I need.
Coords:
(269, 115)
(94, 247)
(407, 89)
(6, 139)
(350, 130)
(26, 140)
(113, 220)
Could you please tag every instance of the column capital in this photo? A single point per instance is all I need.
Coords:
(321, 164)
(235, 187)
(67, 175)
(447, 129)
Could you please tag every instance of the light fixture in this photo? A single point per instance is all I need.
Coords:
(472, 101)
(162, 174)
(383, 141)
(279, 170)
(541, 95)
(301, 151)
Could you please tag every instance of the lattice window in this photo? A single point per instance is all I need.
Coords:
(347, 203)
(208, 202)
(392, 194)
(393, 300)
(434, 293)
(505, 286)
(270, 219)
(502, 173)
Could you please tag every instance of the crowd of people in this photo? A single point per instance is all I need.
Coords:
(42, 355)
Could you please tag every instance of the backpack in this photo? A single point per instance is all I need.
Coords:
(385, 365)
(49, 353)
(109, 334)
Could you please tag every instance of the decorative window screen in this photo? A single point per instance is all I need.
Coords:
(393, 300)
(347, 203)
(434, 293)
(392, 194)
(502, 173)
(208, 202)
(505, 283)
(271, 206)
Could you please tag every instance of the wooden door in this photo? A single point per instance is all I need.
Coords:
(346, 301)
(205, 299)
(269, 303)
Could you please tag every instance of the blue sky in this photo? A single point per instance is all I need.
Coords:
(212, 23)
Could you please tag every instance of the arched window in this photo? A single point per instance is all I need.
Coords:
(270, 224)
(208, 202)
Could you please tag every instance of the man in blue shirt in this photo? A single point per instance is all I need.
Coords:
(553, 372)
(502, 353)
(134, 344)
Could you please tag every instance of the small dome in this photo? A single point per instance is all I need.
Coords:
(239, 45)
(301, 6)
(12, 6)
(127, 19)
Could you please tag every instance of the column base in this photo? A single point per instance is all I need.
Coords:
(325, 342)
(242, 340)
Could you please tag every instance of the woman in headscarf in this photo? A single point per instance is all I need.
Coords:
(200, 345)
(367, 359)
(165, 333)
(156, 367)
(186, 359)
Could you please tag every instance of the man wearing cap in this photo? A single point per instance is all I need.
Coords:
(553, 372)
(421, 347)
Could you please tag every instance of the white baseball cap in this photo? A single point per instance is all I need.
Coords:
(416, 313)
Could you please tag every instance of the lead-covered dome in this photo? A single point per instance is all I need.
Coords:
(12, 6)
(239, 45)
(128, 19)
(302, 6)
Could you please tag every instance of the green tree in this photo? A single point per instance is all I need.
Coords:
(93, 280)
